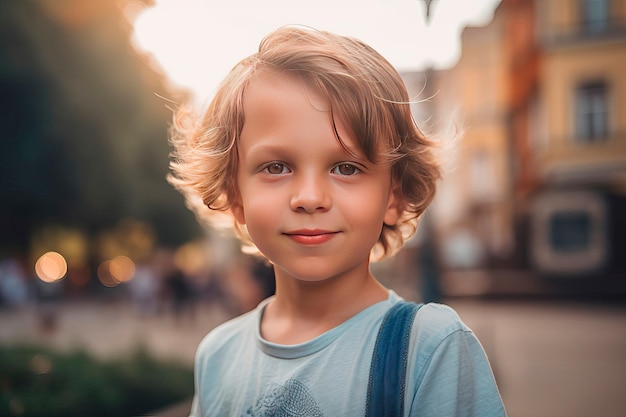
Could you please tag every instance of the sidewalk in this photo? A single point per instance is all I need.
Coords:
(112, 329)
(551, 358)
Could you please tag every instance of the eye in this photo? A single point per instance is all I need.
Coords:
(276, 168)
(345, 169)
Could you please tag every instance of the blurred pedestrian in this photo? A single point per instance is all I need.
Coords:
(144, 289)
(14, 291)
(180, 294)
(311, 147)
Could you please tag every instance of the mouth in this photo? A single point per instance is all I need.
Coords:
(311, 236)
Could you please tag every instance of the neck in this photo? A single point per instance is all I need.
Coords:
(303, 310)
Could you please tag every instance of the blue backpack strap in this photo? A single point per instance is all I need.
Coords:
(387, 379)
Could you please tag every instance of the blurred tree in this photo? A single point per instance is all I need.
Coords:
(84, 132)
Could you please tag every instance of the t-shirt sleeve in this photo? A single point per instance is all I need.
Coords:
(208, 347)
(451, 373)
(195, 408)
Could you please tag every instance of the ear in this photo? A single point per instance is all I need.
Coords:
(237, 210)
(394, 208)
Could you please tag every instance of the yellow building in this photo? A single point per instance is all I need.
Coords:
(537, 180)
(578, 139)
(465, 107)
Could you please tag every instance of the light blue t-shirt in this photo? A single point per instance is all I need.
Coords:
(238, 373)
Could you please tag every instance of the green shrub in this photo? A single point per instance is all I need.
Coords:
(40, 382)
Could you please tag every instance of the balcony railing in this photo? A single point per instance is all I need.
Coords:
(563, 22)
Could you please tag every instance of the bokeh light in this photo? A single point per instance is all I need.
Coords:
(104, 274)
(122, 269)
(51, 267)
(116, 271)
(193, 258)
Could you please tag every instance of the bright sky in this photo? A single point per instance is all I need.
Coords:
(196, 42)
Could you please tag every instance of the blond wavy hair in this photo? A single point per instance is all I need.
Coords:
(364, 91)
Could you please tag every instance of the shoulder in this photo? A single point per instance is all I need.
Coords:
(443, 344)
(438, 319)
(437, 326)
(229, 333)
(449, 368)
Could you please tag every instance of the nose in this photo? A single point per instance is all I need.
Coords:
(310, 194)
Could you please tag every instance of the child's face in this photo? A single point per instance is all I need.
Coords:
(313, 209)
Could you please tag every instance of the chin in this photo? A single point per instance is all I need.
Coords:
(312, 275)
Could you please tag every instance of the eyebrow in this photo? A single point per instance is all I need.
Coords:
(281, 147)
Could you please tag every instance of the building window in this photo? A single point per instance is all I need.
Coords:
(570, 231)
(591, 112)
(595, 15)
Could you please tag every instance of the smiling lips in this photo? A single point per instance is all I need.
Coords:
(311, 237)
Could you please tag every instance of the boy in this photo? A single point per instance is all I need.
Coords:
(310, 147)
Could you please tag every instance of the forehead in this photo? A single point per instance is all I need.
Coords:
(267, 89)
(275, 100)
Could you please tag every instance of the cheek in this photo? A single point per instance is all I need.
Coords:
(365, 211)
(260, 211)
(263, 225)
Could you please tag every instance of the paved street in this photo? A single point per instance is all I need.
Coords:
(551, 358)
(554, 359)
(110, 329)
